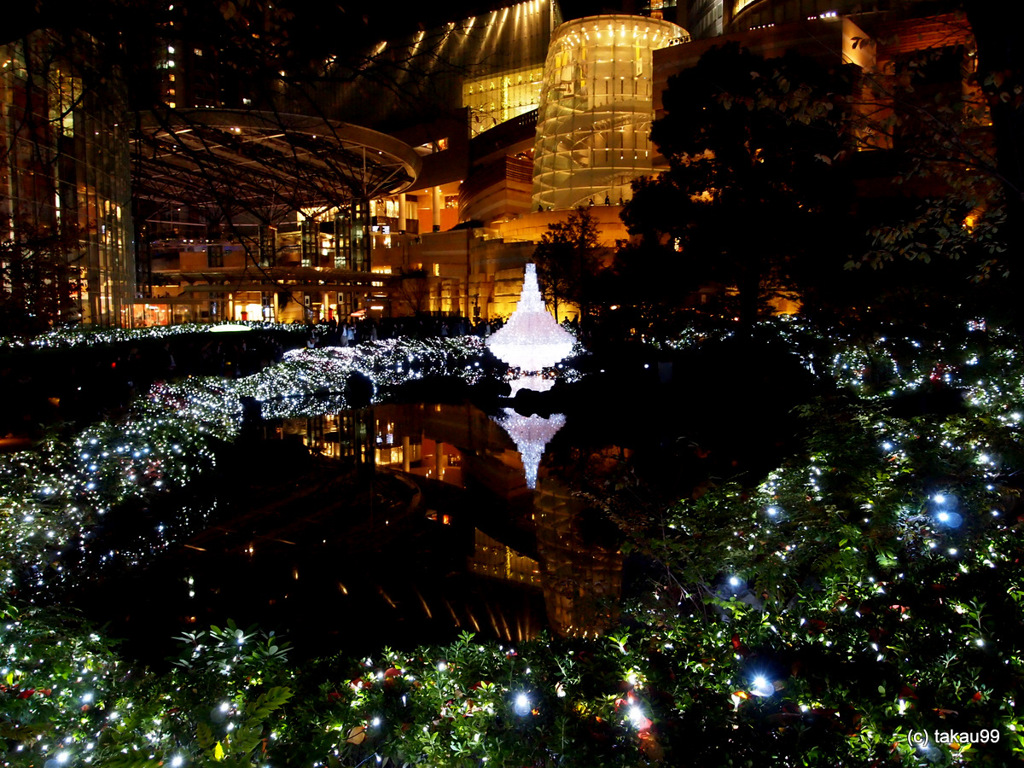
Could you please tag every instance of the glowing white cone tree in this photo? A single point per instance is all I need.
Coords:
(531, 339)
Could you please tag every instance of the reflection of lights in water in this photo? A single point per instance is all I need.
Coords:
(531, 435)
(531, 339)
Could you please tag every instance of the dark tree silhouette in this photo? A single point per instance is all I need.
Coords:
(567, 260)
(753, 188)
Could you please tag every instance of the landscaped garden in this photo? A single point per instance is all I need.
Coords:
(860, 603)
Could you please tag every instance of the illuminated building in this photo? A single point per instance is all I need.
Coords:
(704, 18)
(515, 118)
(584, 147)
(501, 122)
(443, 85)
(593, 130)
(65, 207)
(450, 238)
(299, 246)
(490, 65)
(739, 15)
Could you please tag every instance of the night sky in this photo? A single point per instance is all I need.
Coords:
(315, 17)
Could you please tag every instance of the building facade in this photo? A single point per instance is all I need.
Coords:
(593, 128)
(67, 250)
(519, 120)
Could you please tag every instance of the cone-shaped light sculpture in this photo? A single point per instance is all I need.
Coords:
(531, 339)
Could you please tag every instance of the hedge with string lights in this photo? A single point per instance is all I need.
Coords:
(859, 605)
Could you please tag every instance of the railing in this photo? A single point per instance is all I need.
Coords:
(503, 134)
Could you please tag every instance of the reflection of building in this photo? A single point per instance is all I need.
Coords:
(499, 561)
(582, 579)
(65, 205)
(519, 536)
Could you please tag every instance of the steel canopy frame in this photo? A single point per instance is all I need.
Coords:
(251, 161)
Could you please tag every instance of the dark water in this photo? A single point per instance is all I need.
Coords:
(396, 525)
(403, 524)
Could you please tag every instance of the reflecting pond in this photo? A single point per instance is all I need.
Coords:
(396, 524)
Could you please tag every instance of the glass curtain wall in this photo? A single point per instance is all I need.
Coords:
(65, 199)
(501, 97)
(593, 131)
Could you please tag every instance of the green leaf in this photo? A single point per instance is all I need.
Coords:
(204, 736)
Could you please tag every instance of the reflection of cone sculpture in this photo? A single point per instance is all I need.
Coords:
(531, 339)
(531, 434)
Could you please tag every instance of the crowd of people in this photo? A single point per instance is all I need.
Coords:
(331, 333)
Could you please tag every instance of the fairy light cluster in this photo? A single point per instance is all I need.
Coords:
(900, 496)
(54, 494)
(77, 336)
(888, 547)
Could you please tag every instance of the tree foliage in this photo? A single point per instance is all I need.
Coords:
(567, 260)
(863, 590)
(1000, 76)
(926, 119)
(753, 189)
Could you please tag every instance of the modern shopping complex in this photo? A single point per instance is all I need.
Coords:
(421, 185)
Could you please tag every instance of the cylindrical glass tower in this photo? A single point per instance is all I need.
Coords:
(593, 128)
